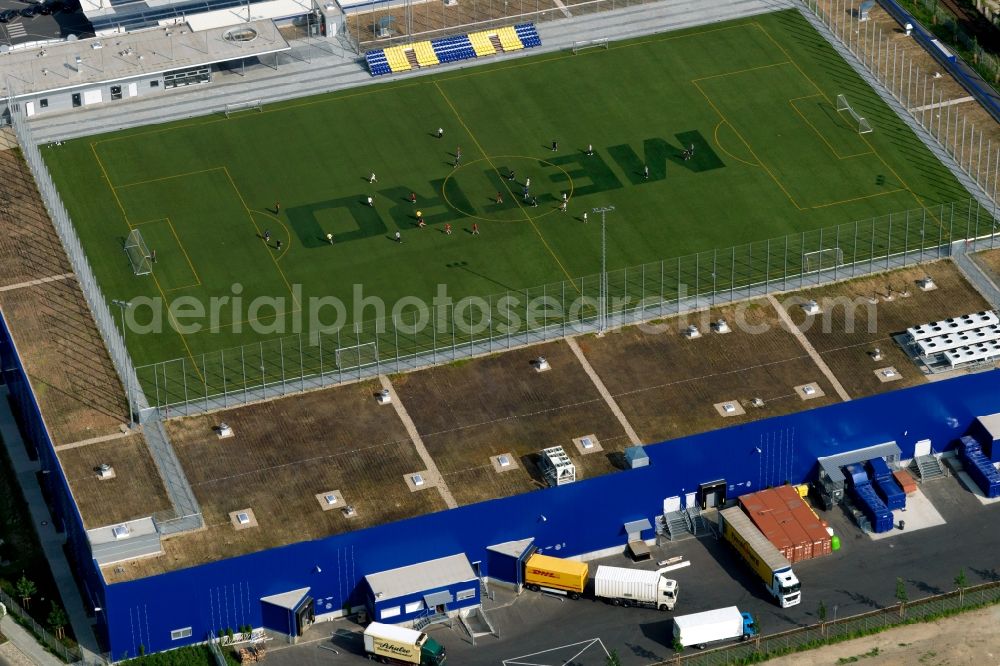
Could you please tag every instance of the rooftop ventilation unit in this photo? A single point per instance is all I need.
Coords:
(692, 332)
(418, 480)
(349, 511)
(243, 518)
(557, 467)
(811, 308)
(541, 364)
(721, 326)
(105, 471)
(330, 499)
(120, 531)
(383, 397)
(504, 460)
(225, 430)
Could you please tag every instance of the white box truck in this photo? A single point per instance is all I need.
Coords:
(722, 624)
(635, 587)
(390, 644)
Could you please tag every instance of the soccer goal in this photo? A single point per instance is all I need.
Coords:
(138, 253)
(822, 260)
(357, 356)
(249, 105)
(843, 105)
(601, 43)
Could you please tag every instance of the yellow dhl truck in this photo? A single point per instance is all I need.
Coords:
(554, 574)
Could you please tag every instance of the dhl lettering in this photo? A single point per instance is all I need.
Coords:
(546, 574)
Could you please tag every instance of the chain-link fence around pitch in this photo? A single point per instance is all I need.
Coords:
(419, 337)
(842, 628)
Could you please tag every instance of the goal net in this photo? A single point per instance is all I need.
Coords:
(843, 105)
(249, 105)
(357, 356)
(822, 260)
(138, 253)
(601, 43)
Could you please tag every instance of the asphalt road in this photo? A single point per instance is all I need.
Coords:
(858, 578)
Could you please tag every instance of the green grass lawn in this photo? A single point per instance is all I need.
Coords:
(755, 97)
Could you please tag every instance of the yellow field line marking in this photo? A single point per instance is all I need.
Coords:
(867, 142)
(328, 97)
(829, 145)
(616, 47)
(743, 71)
(504, 182)
(867, 196)
(239, 194)
(176, 325)
(723, 149)
(162, 178)
(747, 144)
(181, 246)
(283, 226)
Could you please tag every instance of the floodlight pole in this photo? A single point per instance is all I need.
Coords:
(602, 317)
(122, 307)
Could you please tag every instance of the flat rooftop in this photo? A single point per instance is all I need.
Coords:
(287, 454)
(124, 56)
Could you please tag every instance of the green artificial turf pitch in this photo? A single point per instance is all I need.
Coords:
(756, 98)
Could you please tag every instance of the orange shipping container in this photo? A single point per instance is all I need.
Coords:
(788, 523)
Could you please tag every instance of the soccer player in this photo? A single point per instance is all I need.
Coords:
(524, 191)
(499, 198)
(371, 202)
(527, 182)
(590, 149)
(534, 202)
(562, 207)
(372, 178)
(645, 171)
(458, 155)
(277, 244)
(440, 132)
(691, 150)
(329, 239)
(413, 197)
(555, 145)
(447, 228)
(565, 197)
(152, 256)
(277, 207)
(399, 238)
(475, 229)
(510, 174)
(267, 236)
(420, 221)
(585, 218)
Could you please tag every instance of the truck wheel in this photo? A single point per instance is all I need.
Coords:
(663, 607)
(533, 588)
(701, 646)
(627, 603)
(574, 595)
(744, 637)
(616, 602)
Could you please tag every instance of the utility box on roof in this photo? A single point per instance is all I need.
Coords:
(557, 467)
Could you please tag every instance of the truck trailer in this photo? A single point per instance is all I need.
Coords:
(635, 587)
(771, 567)
(390, 644)
(722, 624)
(554, 574)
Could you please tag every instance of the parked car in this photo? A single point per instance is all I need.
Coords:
(8, 15)
(31, 11)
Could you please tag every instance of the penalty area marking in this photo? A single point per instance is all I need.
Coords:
(517, 661)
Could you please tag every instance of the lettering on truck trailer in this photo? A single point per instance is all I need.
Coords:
(544, 574)
(392, 649)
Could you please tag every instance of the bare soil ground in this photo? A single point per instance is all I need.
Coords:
(135, 492)
(667, 385)
(970, 638)
(845, 345)
(989, 261)
(284, 452)
(77, 388)
(467, 412)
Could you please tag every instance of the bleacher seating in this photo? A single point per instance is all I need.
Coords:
(377, 63)
(451, 49)
(509, 39)
(528, 35)
(425, 54)
(481, 44)
(398, 62)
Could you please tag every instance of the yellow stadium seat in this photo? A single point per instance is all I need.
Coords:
(509, 39)
(481, 44)
(425, 54)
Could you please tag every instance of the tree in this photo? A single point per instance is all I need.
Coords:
(613, 659)
(26, 589)
(821, 614)
(901, 596)
(961, 582)
(57, 620)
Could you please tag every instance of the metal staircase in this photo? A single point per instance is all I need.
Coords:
(676, 525)
(927, 468)
(697, 524)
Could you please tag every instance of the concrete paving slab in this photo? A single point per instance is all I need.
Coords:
(919, 514)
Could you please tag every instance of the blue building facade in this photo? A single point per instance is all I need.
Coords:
(747, 457)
